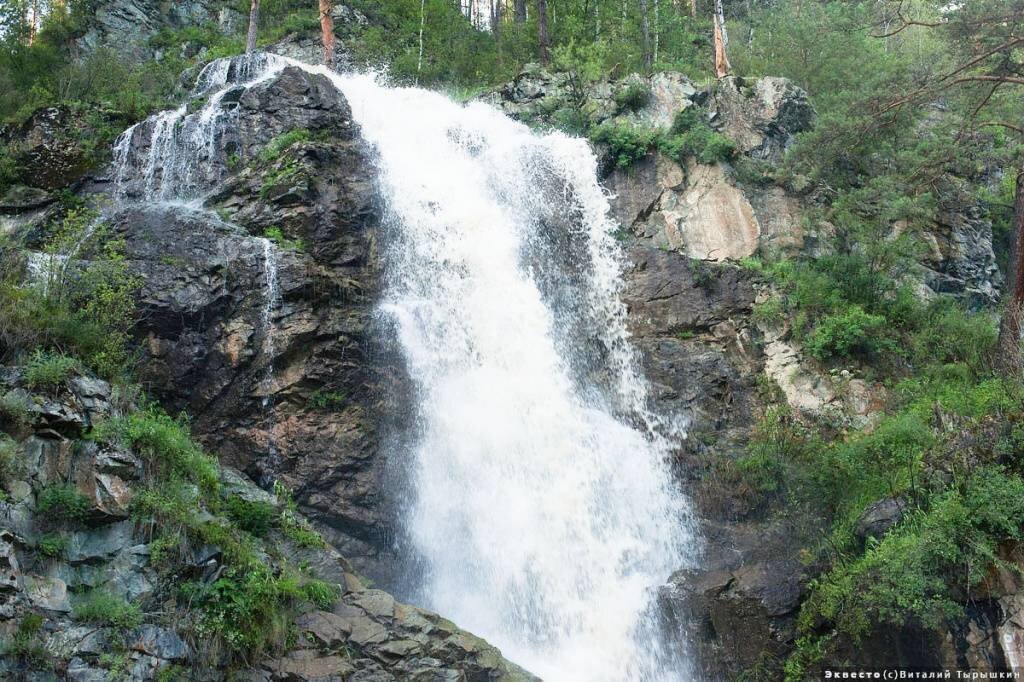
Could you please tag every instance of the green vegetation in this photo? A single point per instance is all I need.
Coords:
(26, 646)
(62, 504)
(166, 446)
(282, 142)
(323, 398)
(45, 370)
(690, 135)
(276, 235)
(251, 516)
(52, 545)
(103, 608)
(62, 325)
(632, 97)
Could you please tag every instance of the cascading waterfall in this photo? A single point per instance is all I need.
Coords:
(541, 504)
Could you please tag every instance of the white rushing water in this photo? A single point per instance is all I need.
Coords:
(544, 515)
(541, 505)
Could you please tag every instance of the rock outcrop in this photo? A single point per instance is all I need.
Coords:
(68, 531)
(269, 345)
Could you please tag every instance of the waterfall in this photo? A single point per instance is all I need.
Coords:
(541, 502)
(540, 506)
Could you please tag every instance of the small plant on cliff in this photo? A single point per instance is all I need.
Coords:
(276, 235)
(627, 142)
(52, 545)
(26, 645)
(633, 97)
(690, 136)
(62, 504)
(166, 444)
(852, 333)
(323, 398)
(282, 142)
(103, 608)
(15, 412)
(252, 516)
(46, 370)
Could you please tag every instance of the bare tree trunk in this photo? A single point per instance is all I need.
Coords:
(722, 66)
(657, 29)
(254, 20)
(543, 44)
(1009, 360)
(423, 21)
(327, 30)
(693, 8)
(33, 20)
(645, 30)
(520, 11)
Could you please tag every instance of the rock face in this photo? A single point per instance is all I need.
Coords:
(366, 634)
(269, 345)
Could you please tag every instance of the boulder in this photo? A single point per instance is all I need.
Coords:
(879, 518)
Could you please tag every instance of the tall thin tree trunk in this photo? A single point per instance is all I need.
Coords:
(657, 29)
(254, 20)
(520, 11)
(327, 30)
(33, 20)
(722, 66)
(1010, 360)
(543, 44)
(423, 22)
(645, 30)
(693, 8)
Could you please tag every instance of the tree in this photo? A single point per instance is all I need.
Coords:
(327, 31)
(987, 39)
(254, 19)
(645, 30)
(722, 66)
(543, 42)
(520, 11)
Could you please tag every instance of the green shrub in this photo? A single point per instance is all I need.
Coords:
(627, 142)
(45, 370)
(103, 608)
(26, 645)
(633, 97)
(917, 569)
(251, 516)
(15, 412)
(282, 142)
(276, 235)
(852, 333)
(321, 594)
(62, 504)
(690, 136)
(52, 545)
(246, 610)
(323, 398)
(166, 444)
